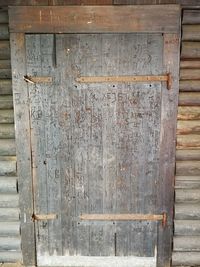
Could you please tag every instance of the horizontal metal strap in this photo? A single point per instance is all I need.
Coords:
(122, 79)
(33, 79)
(43, 217)
(123, 217)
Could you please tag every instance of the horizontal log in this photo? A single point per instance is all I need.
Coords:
(190, 64)
(5, 74)
(191, 32)
(5, 87)
(4, 16)
(187, 155)
(7, 131)
(190, 74)
(186, 243)
(9, 229)
(187, 182)
(187, 227)
(191, 16)
(9, 214)
(6, 102)
(186, 259)
(8, 158)
(186, 195)
(10, 243)
(190, 50)
(9, 200)
(188, 168)
(10, 256)
(5, 64)
(4, 50)
(191, 141)
(7, 147)
(6, 116)
(187, 211)
(189, 86)
(105, 19)
(7, 168)
(8, 185)
(189, 99)
(4, 34)
(188, 113)
(188, 127)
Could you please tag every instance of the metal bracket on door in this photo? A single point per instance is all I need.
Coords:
(126, 217)
(44, 217)
(33, 79)
(125, 79)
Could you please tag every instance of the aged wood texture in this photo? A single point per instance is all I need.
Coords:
(188, 195)
(188, 113)
(189, 74)
(190, 50)
(188, 127)
(22, 134)
(191, 32)
(187, 227)
(187, 243)
(186, 259)
(190, 64)
(88, 148)
(189, 85)
(191, 17)
(189, 99)
(87, 19)
(188, 141)
(187, 155)
(188, 168)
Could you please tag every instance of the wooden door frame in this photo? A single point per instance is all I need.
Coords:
(163, 19)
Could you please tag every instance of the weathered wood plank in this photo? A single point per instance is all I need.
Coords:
(188, 141)
(187, 182)
(187, 211)
(191, 32)
(188, 127)
(7, 116)
(189, 85)
(7, 147)
(5, 87)
(190, 64)
(189, 99)
(4, 34)
(191, 16)
(7, 131)
(6, 102)
(186, 259)
(187, 155)
(9, 229)
(8, 185)
(5, 73)
(5, 64)
(187, 227)
(89, 19)
(7, 168)
(10, 256)
(190, 74)
(186, 243)
(3, 16)
(23, 147)
(9, 214)
(187, 196)
(9, 200)
(4, 49)
(10, 243)
(188, 113)
(190, 50)
(188, 168)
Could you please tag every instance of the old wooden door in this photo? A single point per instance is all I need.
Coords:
(102, 110)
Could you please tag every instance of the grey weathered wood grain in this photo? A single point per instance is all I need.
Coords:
(187, 211)
(189, 85)
(189, 74)
(9, 214)
(5, 87)
(10, 256)
(6, 102)
(190, 50)
(7, 167)
(9, 229)
(9, 200)
(186, 243)
(23, 147)
(7, 131)
(187, 195)
(186, 259)
(7, 147)
(3, 16)
(191, 32)
(4, 34)
(189, 99)
(187, 227)
(188, 168)
(191, 16)
(187, 155)
(7, 116)
(4, 49)
(10, 243)
(8, 184)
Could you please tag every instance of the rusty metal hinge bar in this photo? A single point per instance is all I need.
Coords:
(44, 217)
(125, 217)
(33, 80)
(126, 79)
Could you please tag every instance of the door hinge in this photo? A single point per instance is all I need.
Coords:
(44, 217)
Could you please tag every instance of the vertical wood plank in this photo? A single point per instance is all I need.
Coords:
(23, 149)
(165, 185)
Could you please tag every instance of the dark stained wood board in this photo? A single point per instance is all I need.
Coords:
(87, 19)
